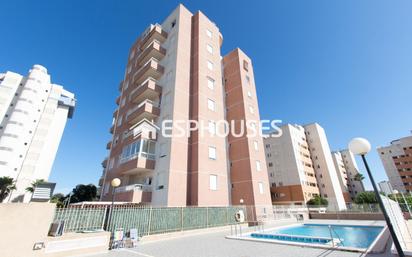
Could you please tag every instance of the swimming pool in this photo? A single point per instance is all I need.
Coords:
(344, 235)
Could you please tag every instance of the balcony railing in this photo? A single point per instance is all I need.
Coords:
(153, 32)
(133, 187)
(145, 110)
(151, 68)
(147, 90)
(153, 50)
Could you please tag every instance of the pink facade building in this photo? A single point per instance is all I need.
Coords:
(175, 71)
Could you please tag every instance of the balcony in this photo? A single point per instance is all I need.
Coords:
(118, 100)
(137, 165)
(104, 162)
(138, 157)
(111, 129)
(147, 90)
(151, 68)
(153, 50)
(136, 193)
(145, 110)
(109, 145)
(153, 32)
(115, 113)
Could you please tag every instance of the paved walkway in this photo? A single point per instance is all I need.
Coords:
(216, 245)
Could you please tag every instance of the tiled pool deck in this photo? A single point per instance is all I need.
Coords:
(214, 244)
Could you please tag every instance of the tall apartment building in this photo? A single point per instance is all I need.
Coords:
(347, 171)
(397, 161)
(300, 166)
(385, 187)
(33, 115)
(176, 72)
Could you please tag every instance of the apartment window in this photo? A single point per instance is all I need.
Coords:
(210, 65)
(247, 80)
(258, 167)
(212, 152)
(209, 49)
(119, 120)
(211, 105)
(210, 83)
(245, 65)
(212, 128)
(255, 144)
(251, 110)
(260, 187)
(160, 181)
(271, 165)
(253, 126)
(209, 33)
(213, 182)
(249, 94)
(163, 151)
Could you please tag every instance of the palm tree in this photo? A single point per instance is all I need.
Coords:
(358, 177)
(34, 184)
(7, 184)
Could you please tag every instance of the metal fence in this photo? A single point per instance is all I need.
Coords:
(154, 220)
(147, 220)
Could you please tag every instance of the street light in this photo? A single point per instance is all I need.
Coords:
(115, 183)
(361, 146)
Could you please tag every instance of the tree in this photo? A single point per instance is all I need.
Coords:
(359, 177)
(318, 200)
(7, 184)
(83, 193)
(366, 197)
(34, 184)
(58, 199)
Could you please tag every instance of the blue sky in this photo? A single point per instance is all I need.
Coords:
(344, 64)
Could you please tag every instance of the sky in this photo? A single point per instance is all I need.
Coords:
(344, 64)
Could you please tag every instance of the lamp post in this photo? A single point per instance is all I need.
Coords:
(361, 146)
(115, 184)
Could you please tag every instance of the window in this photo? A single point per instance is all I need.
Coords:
(245, 65)
(251, 110)
(247, 80)
(213, 182)
(249, 94)
(212, 127)
(119, 120)
(258, 168)
(173, 24)
(255, 144)
(210, 65)
(211, 105)
(210, 83)
(212, 153)
(209, 49)
(209, 33)
(163, 151)
(160, 181)
(260, 187)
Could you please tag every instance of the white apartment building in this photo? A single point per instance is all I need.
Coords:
(385, 187)
(300, 166)
(397, 161)
(33, 114)
(290, 167)
(347, 171)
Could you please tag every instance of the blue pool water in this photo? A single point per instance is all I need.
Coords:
(351, 236)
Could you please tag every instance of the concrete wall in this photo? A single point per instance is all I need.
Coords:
(22, 225)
